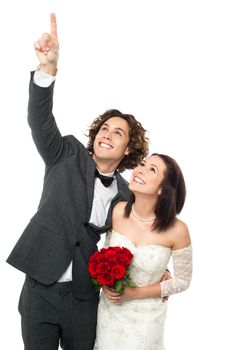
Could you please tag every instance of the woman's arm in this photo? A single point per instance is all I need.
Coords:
(182, 265)
(130, 293)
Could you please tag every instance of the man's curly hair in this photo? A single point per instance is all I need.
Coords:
(138, 141)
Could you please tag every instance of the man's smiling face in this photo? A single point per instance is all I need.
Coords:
(111, 142)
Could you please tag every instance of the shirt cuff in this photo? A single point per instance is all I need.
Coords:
(43, 79)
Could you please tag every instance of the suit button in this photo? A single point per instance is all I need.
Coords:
(77, 244)
(85, 224)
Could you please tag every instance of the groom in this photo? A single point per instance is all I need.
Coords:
(58, 303)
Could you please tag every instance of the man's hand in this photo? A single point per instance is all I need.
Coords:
(166, 276)
(47, 48)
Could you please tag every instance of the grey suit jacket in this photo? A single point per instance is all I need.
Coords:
(60, 231)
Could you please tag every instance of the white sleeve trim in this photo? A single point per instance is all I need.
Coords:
(43, 79)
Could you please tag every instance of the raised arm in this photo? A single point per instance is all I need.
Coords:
(45, 132)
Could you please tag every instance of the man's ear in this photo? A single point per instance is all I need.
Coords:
(126, 153)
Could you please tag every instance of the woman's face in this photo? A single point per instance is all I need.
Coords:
(147, 177)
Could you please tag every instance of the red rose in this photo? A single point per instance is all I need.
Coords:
(112, 260)
(101, 258)
(92, 268)
(103, 250)
(118, 271)
(123, 259)
(94, 257)
(106, 279)
(110, 254)
(103, 267)
(127, 252)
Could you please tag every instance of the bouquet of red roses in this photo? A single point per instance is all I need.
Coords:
(110, 267)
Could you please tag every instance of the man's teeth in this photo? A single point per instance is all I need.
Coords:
(104, 145)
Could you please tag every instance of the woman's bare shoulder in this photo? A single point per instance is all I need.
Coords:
(180, 234)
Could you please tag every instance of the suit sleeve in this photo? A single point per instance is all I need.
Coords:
(45, 133)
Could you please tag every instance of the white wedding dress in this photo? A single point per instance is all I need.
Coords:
(138, 324)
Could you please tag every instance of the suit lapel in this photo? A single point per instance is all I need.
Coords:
(90, 179)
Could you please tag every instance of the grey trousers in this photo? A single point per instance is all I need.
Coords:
(51, 314)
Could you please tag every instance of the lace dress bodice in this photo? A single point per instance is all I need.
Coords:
(137, 324)
(147, 267)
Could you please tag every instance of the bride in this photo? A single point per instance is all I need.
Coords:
(148, 226)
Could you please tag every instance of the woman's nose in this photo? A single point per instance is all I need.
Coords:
(141, 170)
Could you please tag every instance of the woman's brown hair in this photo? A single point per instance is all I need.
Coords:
(138, 142)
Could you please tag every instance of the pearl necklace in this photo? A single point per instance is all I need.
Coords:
(140, 219)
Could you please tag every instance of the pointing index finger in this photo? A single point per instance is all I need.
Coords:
(53, 26)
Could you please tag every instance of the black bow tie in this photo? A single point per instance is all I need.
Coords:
(106, 180)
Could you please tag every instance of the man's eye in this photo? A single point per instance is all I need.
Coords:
(118, 133)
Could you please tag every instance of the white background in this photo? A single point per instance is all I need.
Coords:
(169, 63)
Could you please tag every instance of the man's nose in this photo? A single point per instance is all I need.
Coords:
(108, 135)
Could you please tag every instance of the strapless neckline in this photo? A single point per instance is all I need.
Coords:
(140, 245)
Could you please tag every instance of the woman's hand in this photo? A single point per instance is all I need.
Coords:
(47, 48)
(128, 294)
(150, 291)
